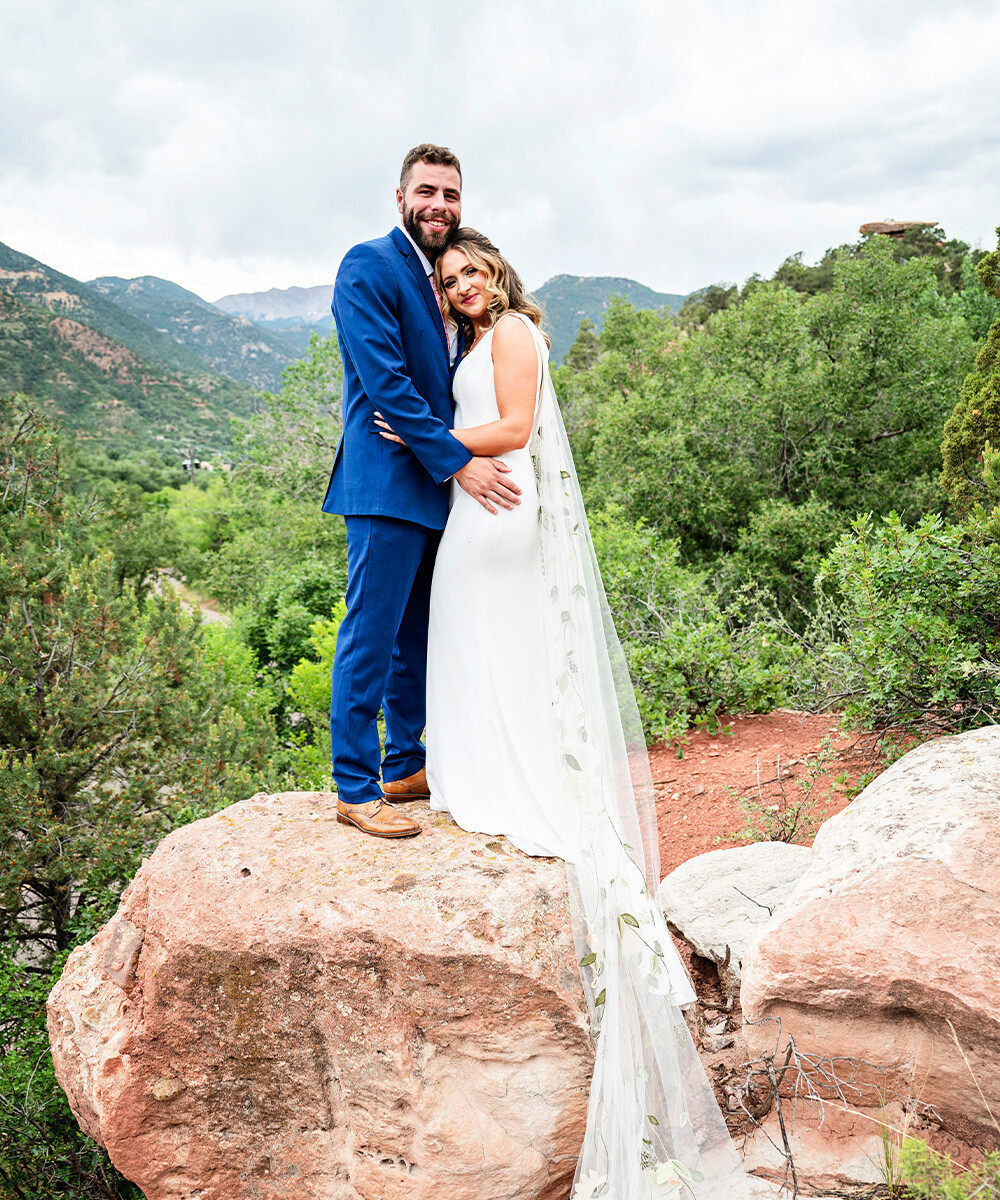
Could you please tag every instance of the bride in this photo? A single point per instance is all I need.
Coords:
(532, 732)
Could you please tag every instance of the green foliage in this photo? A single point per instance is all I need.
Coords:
(43, 1155)
(233, 347)
(975, 422)
(309, 684)
(565, 299)
(104, 392)
(145, 471)
(808, 280)
(975, 303)
(685, 662)
(309, 687)
(947, 258)
(198, 520)
(112, 724)
(928, 1175)
(930, 242)
(839, 397)
(922, 625)
(586, 349)
(117, 722)
(698, 309)
(779, 552)
(265, 518)
(279, 625)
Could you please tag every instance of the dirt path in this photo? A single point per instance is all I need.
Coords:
(190, 599)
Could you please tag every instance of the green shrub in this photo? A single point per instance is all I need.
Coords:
(780, 551)
(309, 687)
(685, 660)
(278, 627)
(928, 1175)
(43, 1154)
(919, 606)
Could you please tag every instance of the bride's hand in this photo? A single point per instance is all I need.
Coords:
(385, 430)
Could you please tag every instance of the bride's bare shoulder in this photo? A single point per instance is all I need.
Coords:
(512, 338)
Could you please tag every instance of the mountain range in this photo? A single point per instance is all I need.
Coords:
(569, 299)
(565, 299)
(140, 360)
(294, 312)
(230, 345)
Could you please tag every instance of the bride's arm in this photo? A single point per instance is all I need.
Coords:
(515, 376)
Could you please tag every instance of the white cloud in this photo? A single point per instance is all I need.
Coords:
(235, 145)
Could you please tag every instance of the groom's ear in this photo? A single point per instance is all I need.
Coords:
(399, 200)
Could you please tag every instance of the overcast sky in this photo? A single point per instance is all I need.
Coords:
(234, 145)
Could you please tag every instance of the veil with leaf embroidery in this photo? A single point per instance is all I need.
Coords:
(654, 1130)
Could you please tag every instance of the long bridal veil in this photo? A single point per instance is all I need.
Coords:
(654, 1129)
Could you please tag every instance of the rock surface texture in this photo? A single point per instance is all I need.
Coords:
(890, 940)
(284, 1007)
(722, 899)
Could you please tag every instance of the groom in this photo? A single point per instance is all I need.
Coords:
(398, 360)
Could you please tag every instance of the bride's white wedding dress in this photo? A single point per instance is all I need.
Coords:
(532, 732)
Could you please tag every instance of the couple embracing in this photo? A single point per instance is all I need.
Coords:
(475, 608)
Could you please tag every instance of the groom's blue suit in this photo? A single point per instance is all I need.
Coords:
(395, 501)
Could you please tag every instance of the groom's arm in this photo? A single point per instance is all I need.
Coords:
(366, 310)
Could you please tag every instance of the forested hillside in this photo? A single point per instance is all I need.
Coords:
(33, 282)
(570, 299)
(794, 499)
(103, 392)
(150, 366)
(232, 346)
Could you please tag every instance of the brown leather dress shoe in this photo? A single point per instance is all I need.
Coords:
(413, 787)
(377, 818)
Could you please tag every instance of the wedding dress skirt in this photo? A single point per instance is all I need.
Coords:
(532, 733)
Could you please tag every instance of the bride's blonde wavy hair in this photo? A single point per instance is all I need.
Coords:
(503, 284)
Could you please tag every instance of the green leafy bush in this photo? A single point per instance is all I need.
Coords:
(309, 687)
(279, 626)
(685, 660)
(928, 1175)
(975, 423)
(780, 551)
(43, 1154)
(116, 725)
(919, 606)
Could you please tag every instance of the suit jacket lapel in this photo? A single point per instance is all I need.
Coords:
(417, 267)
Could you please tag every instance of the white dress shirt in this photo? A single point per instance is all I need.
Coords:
(426, 264)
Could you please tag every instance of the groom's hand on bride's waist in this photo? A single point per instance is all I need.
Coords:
(485, 479)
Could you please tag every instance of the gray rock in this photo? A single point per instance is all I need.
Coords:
(723, 898)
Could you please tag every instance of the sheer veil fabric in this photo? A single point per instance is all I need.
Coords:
(654, 1130)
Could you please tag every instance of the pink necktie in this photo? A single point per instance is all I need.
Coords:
(437, 297)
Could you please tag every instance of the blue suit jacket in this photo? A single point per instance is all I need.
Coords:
(395, 353)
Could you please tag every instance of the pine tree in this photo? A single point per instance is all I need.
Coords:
(974, 426)
(114, 727)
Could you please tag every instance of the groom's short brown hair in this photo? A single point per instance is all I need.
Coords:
(439, 156)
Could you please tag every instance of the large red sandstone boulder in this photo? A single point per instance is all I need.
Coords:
(284, 1007)
(888, 949)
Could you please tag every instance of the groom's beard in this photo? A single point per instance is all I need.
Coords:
(431, 243)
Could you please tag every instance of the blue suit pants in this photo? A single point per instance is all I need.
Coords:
(381, 657)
